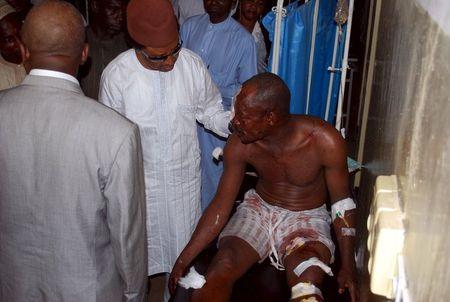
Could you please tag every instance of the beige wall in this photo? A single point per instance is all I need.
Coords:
(408, 134)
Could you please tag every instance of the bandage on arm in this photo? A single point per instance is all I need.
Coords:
(344, 226)
(348, 232)
(338, 210)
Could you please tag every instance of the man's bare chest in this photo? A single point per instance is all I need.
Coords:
(298, 167)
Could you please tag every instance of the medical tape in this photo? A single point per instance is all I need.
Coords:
(314, 261)
(304, 289)
(338, 208)
(348, 231)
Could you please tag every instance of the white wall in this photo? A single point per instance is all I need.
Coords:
(408, 134)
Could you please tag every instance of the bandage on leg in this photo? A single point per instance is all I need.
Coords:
(313, 261)
(305, 289)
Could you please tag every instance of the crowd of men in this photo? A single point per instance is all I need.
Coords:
(106, 168)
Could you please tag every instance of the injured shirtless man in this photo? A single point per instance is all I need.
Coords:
(301, 163)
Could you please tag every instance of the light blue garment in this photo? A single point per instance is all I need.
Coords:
(229, 52)
(296, 43)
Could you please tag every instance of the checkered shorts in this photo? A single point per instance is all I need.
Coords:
(274, 231)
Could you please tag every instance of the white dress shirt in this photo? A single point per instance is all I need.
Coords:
(53, 74)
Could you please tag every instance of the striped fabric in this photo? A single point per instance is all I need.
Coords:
(272, 230)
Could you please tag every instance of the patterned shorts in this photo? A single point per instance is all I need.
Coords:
(274, 231)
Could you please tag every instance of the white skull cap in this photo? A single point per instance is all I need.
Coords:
(5, 9)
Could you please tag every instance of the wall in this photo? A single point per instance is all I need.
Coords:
(408, 134)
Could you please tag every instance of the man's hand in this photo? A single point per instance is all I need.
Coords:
(347, 279)
(178, 271)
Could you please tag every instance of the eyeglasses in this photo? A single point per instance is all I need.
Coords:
(160, 59)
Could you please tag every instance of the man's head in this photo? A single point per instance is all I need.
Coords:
(252, 10)
(107, 16)
(54, 37)
(152, 25)
(9, 34)
(261, 105)
(218, 10)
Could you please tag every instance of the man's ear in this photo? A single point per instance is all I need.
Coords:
(25, 53)
(84, 53)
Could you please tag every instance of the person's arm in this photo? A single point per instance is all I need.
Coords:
(210, 111)
(126, 210)
(334, 155)
(109, 93)
(217, 213)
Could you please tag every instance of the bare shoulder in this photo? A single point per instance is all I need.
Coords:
(235, 150)
(327, 141)
(328, 137)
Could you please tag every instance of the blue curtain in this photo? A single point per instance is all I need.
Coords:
(296, 42)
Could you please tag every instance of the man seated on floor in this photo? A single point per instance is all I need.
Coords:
(301, 162)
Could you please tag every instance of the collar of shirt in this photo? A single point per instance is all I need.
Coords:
(220, 25)
(53, 74)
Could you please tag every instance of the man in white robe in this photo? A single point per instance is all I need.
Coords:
(165, 89)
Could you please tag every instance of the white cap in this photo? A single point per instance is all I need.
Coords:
(5, 9)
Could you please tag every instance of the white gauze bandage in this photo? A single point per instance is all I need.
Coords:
(217, 153)
(192, 280)
(304, 289)
(338, 208)
(348, 231)
(314, 261)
